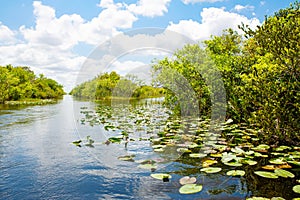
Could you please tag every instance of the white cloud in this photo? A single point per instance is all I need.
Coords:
(106, 3)
(262, 3)
(214, 21)
(48, 46)
(199, 1)
(150, 8)
(239, 8)
(7, 36)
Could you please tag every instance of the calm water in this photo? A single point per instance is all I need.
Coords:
(39, 161)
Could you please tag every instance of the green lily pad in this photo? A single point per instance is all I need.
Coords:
(266, 174)
(258, 198)
(282, 148)
(250, 162)
(158, 146)
(257, 154)
(161, 176)
(261, 147)
(296, 189)
(294, 162)
(277, 161)
(77, 143)
(187, 180)
(236, 173)
(277, 198)
(115, 139)
(233, 164)
(209, 162)
(197, 155)
(148, 166)
(211, 170)
(127, 158)
(190, 189)
(284, 173)
(238, 150)
(216, 155)
(183, 150)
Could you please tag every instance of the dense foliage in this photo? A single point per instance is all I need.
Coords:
(260, 73)
(19, 83)
(108, 85)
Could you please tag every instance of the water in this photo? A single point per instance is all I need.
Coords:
(39, 161)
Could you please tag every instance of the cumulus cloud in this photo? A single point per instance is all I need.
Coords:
(150, 8)
(48, 46)
(240, 8)
(214, 21)
(7, 36)
(199, 1)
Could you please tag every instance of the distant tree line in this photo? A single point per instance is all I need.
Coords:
(107, 85)
(260, 72)
(19, 83)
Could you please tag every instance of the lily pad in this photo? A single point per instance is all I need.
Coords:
(277, 161)
(233, 164)
(236, 173)
(148, 166)
(294, 162)
(211, 170)
(115, 139)
(216, 155)
(77, 143)
(269, 167)
(161, 176)
(282, 148)
(258, 198)
(266, 174)
(183, 150)
(190, 189)
(197, 155)
(127, 158)
(250, 162)
(277, 198)
(296, 189)
(284, 173)
(209, 162)
(187, 180)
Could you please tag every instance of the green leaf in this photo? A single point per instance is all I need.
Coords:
(197, 155)
(127, 158)
(235, 173)
(296, 189)
(258, 198)
(148, 166)
(161, 176)
(77, 142)
(277, 161)
(277, 198)
(284, 173)
(115, 139)
(211, 170)
(266, 174)
(250, 162)
(190, 189)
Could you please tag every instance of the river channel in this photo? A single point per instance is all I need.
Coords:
(39, 161)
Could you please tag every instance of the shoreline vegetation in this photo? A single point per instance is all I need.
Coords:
(20, 86)
(31, 102)
(259, 70)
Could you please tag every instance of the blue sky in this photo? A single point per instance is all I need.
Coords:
(56, 37)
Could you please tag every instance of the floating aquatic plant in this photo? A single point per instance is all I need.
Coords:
(190, 189)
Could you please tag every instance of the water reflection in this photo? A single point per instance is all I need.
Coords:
(39, 161)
